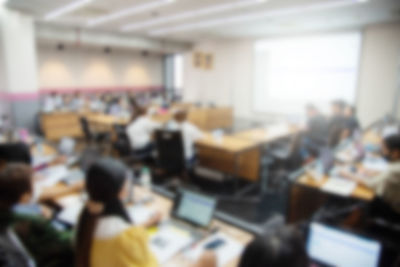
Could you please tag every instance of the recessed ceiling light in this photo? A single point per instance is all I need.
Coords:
(66, 9)
(256, 16)
(128, 11)
(192, 14)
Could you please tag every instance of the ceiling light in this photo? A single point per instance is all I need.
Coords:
(192, 14)
(256, 16)
(66, 9)
(128, 11)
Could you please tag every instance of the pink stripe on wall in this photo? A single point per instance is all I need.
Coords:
(24, 96)
(100, 89)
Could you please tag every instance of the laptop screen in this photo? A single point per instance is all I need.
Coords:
(333, 247)
(195, 208)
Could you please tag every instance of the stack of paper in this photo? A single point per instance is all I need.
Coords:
(228, 251)
(339, 186)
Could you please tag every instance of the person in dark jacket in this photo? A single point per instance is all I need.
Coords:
(48, 246)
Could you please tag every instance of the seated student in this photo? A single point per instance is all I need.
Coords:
(281, 247)
(47, 246)
(190, 133)
(386, 185)
(317, 130)
(140, 131)
(51, 102)
(337, 122)
(351, 122)
(105, 233)
(20, 153)
(67, 103)
(96, 103)
(77, 102)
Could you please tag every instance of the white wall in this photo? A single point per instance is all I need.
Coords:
(76, 67)
(18, 46)
(379, 71)
(231, 80)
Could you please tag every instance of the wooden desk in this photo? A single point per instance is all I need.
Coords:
(360, 192)
(61, 124)
(231, 155)
(105, 122)
(211, 118)
(265, 135)
(205, 118)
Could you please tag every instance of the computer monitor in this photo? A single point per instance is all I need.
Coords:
(331, 247)
(195, 208)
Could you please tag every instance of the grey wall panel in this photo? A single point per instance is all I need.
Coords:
(24, 113)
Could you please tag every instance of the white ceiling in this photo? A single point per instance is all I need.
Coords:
(258, 21)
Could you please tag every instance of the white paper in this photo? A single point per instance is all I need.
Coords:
(168, 242)
(230, 250)
(339, 186)
(140, 214)
(39, 160)
(52, 175)
(71, 213)
(69, 200)
(375, 164)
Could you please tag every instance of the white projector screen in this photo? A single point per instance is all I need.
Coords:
(292, 72)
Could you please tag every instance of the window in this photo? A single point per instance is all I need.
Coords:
(289, 73)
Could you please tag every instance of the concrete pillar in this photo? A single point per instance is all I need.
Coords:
(18, 70)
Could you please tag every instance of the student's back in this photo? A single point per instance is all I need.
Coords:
(141, 129)
(106, 236)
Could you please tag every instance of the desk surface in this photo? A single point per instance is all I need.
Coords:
(360, 192)
(230, 144)
(266, 135)
(108, 120)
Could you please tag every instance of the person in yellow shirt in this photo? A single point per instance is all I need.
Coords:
(106, 235)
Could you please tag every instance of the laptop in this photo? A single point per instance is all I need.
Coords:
(327, 246)
(190, 218)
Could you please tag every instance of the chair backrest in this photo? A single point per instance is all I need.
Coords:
(12, 252)
(86, 128)
(170, 151)
(122, 143)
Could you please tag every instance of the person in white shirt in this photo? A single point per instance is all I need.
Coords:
(190, 133)
(140, 131)
(52, 102)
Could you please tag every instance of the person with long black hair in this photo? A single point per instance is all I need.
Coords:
(106, 235)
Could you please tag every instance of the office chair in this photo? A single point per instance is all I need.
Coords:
(286, 154)
(170, 153)
(90, 136)
(123, 147)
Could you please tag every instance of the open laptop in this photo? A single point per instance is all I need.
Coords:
(192, 212)
(327, 246)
